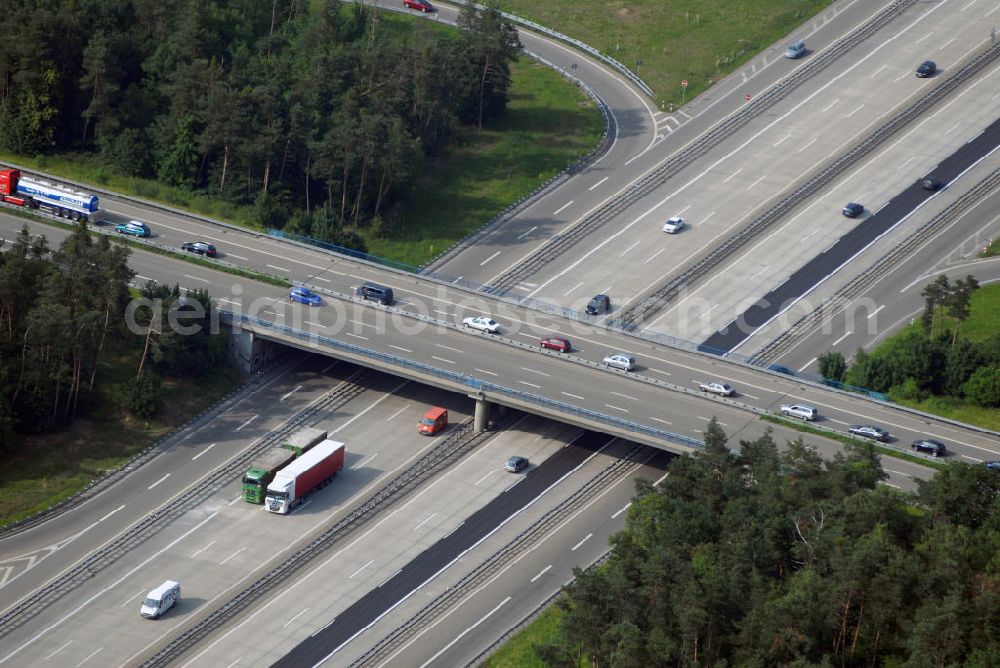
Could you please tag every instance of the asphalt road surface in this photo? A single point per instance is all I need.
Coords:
(850, 245)
(481, 523)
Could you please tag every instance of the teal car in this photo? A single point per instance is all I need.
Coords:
(133, 227)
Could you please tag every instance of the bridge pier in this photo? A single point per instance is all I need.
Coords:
(482, 420)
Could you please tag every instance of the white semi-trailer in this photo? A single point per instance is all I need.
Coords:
(313, 469)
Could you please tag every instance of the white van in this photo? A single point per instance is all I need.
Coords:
(161, 599)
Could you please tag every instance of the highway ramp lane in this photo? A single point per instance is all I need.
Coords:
(39, 553)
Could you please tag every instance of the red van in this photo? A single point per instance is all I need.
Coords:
(434, 420)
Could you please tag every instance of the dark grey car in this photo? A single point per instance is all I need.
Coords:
(516, 464)
(853, 210)
(927, 69)
(199, 247)
(929, 447)
(599, 304)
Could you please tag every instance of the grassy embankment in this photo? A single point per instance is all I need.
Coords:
(549, 125)
(518, 652)
(693, 40)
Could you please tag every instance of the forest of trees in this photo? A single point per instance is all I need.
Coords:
(63, 311)
(932, 361)
(306, 110)
(767, 559)
(59, 311)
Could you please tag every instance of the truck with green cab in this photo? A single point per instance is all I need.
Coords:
(263, 468)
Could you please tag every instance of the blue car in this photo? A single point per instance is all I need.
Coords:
(134, 228)
(305, 296)
(795, 50)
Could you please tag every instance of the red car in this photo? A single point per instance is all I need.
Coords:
(556, 343)
(419, 5)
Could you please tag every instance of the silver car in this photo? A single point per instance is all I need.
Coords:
(622, 361)
(722, 389)
(673, 225)
(801, 411)
(868, 431)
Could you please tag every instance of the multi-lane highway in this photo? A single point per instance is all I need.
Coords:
(216, 546)
(887, 297)
(687, 414)
(219, 544)
(725, 189)
(895, 213)
(598, 190)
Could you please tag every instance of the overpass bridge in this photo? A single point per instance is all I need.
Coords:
(659, 404)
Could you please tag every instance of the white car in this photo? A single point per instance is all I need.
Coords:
(622, 361)
(673, 225)
(722, 389)
(800, 411)
(483, 323)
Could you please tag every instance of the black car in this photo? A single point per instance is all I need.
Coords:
(599, 304)
(929, 447)
(199, 247)
(926, 69)
(930, 183)
(994, 465)
(853, 210)
(869, 431)
(780, 368)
